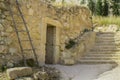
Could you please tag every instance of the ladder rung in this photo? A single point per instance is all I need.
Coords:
(16, 14)
(2, 41)
(28, 49)
(20, 22)
(22, 31)
(2, 44)
(26, 40)
(3, 36)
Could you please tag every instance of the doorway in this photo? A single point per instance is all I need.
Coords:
(50, 44)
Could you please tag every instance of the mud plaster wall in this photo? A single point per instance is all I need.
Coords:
(69, 22)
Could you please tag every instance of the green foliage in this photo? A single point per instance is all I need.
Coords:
(106, 20)
(105, 8)
(70, 44)
(91, 6)
(29, 62)
(99, 7)
(3, 68)
(115, 8)
(82, 2)
(53, 0)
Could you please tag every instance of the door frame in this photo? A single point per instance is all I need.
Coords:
(57, 26)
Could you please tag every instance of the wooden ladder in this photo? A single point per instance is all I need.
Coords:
(26, 30)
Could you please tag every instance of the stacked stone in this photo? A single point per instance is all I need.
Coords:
(6, 31)
(3, 46)
(5, 27)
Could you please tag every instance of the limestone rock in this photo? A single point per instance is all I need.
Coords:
(66, 54)
(69, 61)
(25, 78)
(3, 6)
(1, 27)
(12, 50)
(3, 49)
(41, 75)
(10, 65)
(14, 73)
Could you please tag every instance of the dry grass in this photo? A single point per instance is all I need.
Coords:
(106, 20)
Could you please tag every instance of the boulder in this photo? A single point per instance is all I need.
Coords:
(14, 73)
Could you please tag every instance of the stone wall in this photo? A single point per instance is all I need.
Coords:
(69, 22)
(83, 45)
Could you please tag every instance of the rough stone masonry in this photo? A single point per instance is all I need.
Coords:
(48, 25)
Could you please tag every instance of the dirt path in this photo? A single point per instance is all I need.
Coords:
(83, 71)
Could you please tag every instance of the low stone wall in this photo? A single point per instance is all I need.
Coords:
(84, 44)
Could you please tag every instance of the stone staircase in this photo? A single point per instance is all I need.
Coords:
(105, 50)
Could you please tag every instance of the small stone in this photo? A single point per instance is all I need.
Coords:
(8, 41)
(3, 57)
(41, 75)
(10, 65)
(12, 50)
(1, 27)
(31, 11)
(3, 49)
(3, 6)
(66, 54)
(3, 16)
(3, 34)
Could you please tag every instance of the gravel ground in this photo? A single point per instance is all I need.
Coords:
(113, 74)
(83, 71)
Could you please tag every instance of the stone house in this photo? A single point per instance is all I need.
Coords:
(52, 30)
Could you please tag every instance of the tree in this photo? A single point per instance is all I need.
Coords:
(53, 0)
(91, 6)
(99, 7)
(105, 8)
(82, 2)
(115, 7)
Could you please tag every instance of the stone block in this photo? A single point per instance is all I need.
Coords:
(66, 54)
(14, 73)
(25, 78)
(69, 61)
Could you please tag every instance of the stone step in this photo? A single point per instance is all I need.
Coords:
(103, 52)
(111, 36)
(101, 40)
(102, 45)
(100, 58)
(105, 48)
(98, 61)
(103, 55)
(106, 44)
(106, 33)
(107, 41)
(106, 36)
